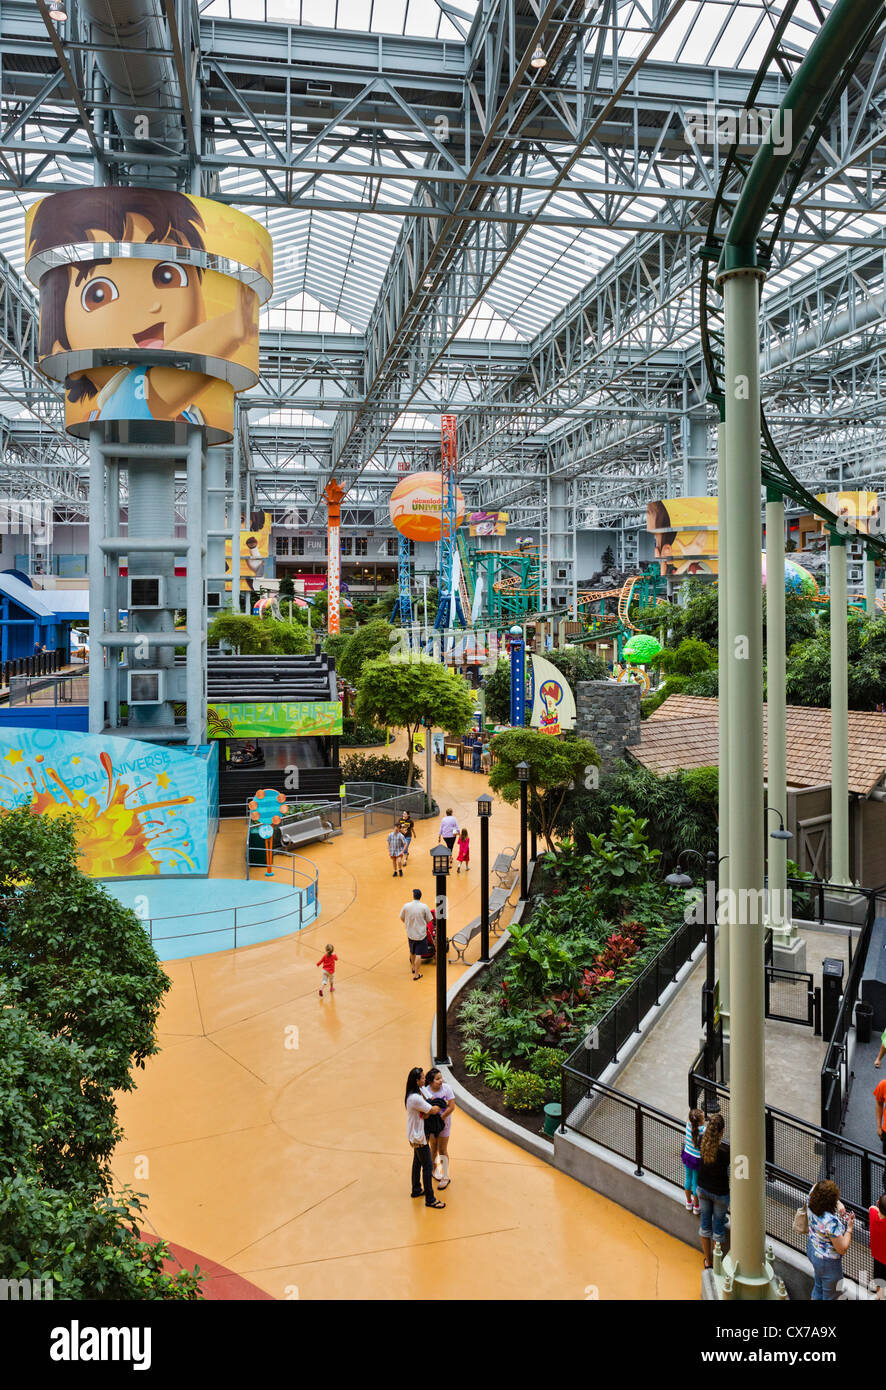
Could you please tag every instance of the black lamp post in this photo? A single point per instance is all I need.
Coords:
(484, 811)
(441, 857)
(682, 880)
(533, 854)
(523, 770)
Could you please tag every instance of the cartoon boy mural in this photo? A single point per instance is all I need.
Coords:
(145, 304)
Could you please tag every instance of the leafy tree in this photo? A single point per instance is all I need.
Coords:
(608, 561)
(574, 663)
(403, 694)
(255, 636)
(697, 616)
(80, 991)
(368, 642)
(808, 675)
(555, 764)
(497, 687)
(680, 809)
(287, 587)
(689, 658)
(334, 644)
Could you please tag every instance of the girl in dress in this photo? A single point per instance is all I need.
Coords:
(464, 852)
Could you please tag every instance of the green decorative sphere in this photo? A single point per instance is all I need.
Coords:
(641, 648)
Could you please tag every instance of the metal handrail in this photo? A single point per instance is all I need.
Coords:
(311, 880)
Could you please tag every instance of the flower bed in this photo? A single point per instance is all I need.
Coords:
(598, 920)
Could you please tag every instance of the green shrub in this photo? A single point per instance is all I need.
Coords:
(546, 1063)
(367, 767)
(478, 1011)
(497, 1074)
(477, 1060)
(525, 1091)
(356, 735)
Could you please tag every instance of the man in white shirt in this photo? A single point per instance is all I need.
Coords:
(416, 918)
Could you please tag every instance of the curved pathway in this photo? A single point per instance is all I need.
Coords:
(269, 1133)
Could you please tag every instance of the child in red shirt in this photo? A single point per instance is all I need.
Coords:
(464, 852)
(877, 1227)
(328, 964)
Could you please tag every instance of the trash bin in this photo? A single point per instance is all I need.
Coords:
(864, 1020)
(552, 1117)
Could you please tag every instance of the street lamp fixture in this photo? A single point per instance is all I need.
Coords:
(781, 833)
(484, 811)
(523, 771)
(441, 858)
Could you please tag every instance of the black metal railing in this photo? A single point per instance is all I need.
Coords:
(792, 997)
(797, 1154)
(835, 1072)
(604, 1039)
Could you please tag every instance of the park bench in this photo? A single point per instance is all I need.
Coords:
(462, 939)
(303, 831)
(502, 866)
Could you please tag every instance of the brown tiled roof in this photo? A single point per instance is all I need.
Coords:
(683, 733)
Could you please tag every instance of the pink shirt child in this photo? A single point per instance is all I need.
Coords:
(328, 963)
(464, 850)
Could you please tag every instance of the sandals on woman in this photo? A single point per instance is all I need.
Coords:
(416, 977)
(435, 1206)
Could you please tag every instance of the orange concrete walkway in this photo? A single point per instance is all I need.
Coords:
(270, 1131)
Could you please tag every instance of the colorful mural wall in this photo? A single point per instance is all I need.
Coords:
(142, 809)
(278, 720)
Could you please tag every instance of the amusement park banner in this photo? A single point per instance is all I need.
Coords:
(254, 549)
(686, 536)
(278, 720)
(549, 696)
(487, 523)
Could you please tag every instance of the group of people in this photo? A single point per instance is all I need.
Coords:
(403, 833)
(823, 1218)
(429, 1106)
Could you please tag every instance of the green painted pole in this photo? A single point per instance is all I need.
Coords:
(870, 586)
(839, 714)
(724, 664)
(776, 730)
(745, 1264)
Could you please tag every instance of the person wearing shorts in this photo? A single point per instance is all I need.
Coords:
(415, 916)
(397, 849)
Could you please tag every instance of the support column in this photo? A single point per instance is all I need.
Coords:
(870, 586)
(776, 733)
(839, 713)
(97, 468)
(724, 666)
(333, 493)
(789, 947)
(195, 668)
(745, 1265)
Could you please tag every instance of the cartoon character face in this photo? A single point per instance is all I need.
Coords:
(143, 302)
(551, 693)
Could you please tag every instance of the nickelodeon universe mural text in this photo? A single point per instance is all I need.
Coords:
(140, 809)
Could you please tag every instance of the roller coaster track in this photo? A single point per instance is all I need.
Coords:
(775, 472)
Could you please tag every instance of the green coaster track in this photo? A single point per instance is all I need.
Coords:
(748, 186)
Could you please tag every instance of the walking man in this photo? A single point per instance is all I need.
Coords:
(415, 917)
(397, 849)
